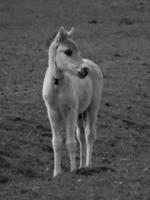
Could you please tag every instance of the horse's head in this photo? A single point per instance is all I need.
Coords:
(67, 54)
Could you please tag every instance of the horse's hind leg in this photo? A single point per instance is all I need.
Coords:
(80, 132)
(90, 135)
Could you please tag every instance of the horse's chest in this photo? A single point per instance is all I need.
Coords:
(74, 94)
(59, 98)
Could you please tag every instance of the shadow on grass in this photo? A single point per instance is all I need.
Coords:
(96, 170)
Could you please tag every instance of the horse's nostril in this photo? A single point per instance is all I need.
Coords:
(83, 72)
(86, 70)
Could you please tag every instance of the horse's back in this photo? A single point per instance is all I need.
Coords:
(89, 89)
(96, 78)
(94, 69)
(95, 74)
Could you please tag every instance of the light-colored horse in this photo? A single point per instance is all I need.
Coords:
(72, 91)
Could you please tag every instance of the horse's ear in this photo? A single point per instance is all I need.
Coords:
(71, 32)
(61, 35)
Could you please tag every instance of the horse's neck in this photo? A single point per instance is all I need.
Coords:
(55, 72)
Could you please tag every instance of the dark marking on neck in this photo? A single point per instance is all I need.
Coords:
(56, 81)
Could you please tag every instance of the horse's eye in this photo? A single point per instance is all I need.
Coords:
(68, 52)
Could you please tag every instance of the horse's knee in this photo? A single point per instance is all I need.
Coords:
(71, 146)
(90, 135)
(57, 144)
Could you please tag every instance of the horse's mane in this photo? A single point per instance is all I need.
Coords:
(50, 39)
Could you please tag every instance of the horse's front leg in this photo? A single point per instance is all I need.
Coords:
(80, 133)
(57, 139)
(71, 140)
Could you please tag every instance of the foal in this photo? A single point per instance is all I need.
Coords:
(72, 92)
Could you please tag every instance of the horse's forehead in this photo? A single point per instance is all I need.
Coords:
(69, 43)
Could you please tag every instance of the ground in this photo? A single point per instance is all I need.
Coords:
(116, 35)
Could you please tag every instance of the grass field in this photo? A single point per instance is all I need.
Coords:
(116, 35)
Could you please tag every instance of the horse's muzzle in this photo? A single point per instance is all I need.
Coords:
(83, 72)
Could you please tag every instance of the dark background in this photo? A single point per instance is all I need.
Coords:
(116, 35)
